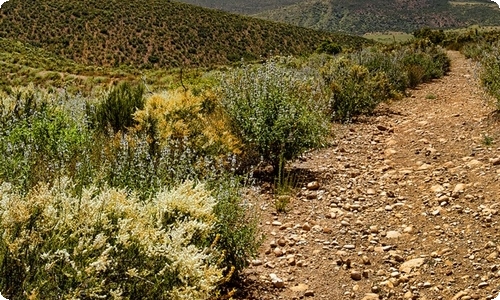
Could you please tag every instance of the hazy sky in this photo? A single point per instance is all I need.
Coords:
(497, 1)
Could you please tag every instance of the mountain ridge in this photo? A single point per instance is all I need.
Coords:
(363, 16)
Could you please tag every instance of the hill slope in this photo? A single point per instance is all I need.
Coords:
(243, 6)
(151, 33)
(361, 16)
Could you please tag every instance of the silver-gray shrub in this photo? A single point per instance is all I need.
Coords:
(278, 111)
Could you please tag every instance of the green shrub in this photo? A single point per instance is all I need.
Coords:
(355, 91)
(236, 229)
(329, 48)
(38, 140)
(435, 36)
(490, 73)
(426, 64)
(118, 107)
(276, 110)
(388, 62)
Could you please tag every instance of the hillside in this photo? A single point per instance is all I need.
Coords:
(154, 33)
(242, 6)
(362, 16)
(22, 63)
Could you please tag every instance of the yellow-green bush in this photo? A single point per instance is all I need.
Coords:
(108, 244)
(181, 116)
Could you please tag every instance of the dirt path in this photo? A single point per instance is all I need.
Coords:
(407, 206)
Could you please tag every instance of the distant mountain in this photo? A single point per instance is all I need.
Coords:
(152, 33)
(362, 16)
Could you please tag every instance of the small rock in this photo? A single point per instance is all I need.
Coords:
(495, 161)
(276, 223)
(306, 227)
(278, 252)
(256, 262)
(437, 188)
(459, 295)
(483, 284)
(459, 188)
(474, 163)
(309, 293)
(382, 128)
(366, 260)
(407, 266)
(371, 192)
(408, 229)
(356, 275)
(277, 282)
(424, 167)
(313, 185)
(393, 234)
(371, 296)
(388, 208)
(282, 242)
(427, 284)
(350, 247)
(492, 257)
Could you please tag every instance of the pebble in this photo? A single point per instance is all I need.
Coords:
(313, 185)
(371, 296)
(407, 266)
(278, 252)
(256, 262)
(356, 275)
(277, 282)
(393, 234)
(309, 293)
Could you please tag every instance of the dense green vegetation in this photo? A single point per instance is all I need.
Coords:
(123, 182)
(242, 6)
(127, 190)
(362, 16)
(153, 33)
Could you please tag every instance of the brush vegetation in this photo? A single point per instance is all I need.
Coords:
(143, 188)
(153, 33)
(362, 16)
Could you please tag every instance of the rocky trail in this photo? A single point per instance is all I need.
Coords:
(404, 205)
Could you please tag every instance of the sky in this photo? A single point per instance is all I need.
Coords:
(497, 1)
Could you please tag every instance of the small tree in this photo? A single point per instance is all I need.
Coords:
(118, 107)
